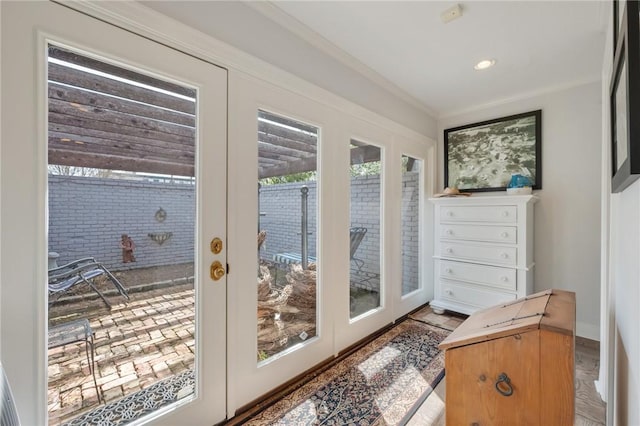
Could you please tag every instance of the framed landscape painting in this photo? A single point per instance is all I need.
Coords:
(483, 156)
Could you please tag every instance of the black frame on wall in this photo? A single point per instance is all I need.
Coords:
(624, 96)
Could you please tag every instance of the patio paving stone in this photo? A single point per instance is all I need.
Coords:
(137, 343)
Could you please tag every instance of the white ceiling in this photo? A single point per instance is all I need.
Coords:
(538, 45)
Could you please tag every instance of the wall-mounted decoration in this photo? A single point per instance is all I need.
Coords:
(161, 215)
(624, 95)
(160, 237)
(127, 245)
(483, 156)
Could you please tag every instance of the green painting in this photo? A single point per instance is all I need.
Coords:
(483, 156)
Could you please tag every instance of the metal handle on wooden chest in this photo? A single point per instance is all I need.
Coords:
(503, 385)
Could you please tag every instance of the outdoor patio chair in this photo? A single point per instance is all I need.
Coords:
(356, 236)
(85, 270)
(8, 411)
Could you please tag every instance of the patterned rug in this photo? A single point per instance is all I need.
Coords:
(140, 403)
(382, 383)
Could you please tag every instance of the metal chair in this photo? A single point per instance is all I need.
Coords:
(356, 236)
(77, 331)
(8, 411)
(85, 270)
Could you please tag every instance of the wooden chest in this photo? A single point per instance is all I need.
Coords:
(513, 364)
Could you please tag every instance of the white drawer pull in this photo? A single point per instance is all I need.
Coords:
(448, 232)
(504, 255)
(449, 250)
(448, 270)
(504, 234)
(449, 213)
(505, 213)
(448, 292)
(504, 279)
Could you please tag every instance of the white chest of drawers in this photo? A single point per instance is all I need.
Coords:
(483, 253)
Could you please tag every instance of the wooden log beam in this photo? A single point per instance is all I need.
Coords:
(359, 155)
(77, 133)
(101, 101)
(279, 150)
(77, 59)
(110, 162)
(287, 122)
(115, 118)
(290, 168)
(410, 162)
(85, 124)
(76, 78)
(97, 146)
(365, 154)
(271, 129)
(286, 143)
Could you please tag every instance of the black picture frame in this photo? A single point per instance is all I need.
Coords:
(481, 157)
(618, 10)
(624, 101)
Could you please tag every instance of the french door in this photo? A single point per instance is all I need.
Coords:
(114, 149)
(328, 225)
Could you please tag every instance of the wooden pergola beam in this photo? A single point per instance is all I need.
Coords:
(76, 78)
(93, 100)
(118, 71)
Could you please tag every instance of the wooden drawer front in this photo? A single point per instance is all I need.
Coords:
(493, 276)
(480, 297)
(491, 254)
(497, 214)
(494, 234)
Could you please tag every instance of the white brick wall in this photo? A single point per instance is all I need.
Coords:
(87, 217)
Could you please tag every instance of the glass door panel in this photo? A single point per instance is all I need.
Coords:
(122, 201)
(287, 233)
(126, 265)
(411, 223)
(365, 230)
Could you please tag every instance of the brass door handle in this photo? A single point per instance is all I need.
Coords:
(217, 271)
(216, 245)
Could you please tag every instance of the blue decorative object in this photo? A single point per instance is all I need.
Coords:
(519, 185)
(519, 181)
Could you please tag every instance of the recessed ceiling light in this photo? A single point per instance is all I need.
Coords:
(483, 65)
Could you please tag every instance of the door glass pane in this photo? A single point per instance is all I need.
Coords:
(411, 178)
(287, 233)
(364, 233)
(121, 203)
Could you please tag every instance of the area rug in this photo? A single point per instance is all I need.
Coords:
(138, 404)
(382, 383)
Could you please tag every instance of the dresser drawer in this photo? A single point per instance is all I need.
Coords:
(489, 254)
(479, 297)
(493, 276)
(494, 214)
(494, 234)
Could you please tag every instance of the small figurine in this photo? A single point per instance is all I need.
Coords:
(127, 246)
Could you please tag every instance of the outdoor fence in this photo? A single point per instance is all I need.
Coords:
(88, 215)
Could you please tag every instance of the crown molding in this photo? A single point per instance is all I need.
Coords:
(519, 97)
(139, 19)
(271, 11)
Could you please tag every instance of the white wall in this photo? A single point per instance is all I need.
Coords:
(567, 217)
(620, 356)
(243, 27)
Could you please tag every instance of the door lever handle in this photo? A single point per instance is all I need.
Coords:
(216, 271)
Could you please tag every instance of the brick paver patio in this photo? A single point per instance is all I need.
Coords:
(137, 343)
